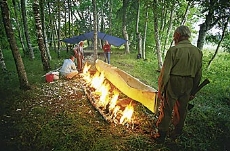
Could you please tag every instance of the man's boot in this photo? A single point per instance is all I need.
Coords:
(160, 137)
(176, 133)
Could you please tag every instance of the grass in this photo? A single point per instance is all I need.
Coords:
(46, 118)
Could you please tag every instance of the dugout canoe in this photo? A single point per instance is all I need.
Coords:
(129, 85)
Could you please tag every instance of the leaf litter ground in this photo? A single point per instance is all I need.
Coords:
(61, 112)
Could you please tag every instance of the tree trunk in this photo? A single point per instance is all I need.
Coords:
(55, 33)
(23, 81)
(59, 28)
(41, 4)
(24, 19)
(163, 18)
(156, 35)
(110, 15)
(124, 24)
(95, 29)
(218, 46)
(17, 27)
(2, 62)
(145, 33)
(50, 31)
(204, 27)
(168, 32)
(69, 22)
(102, 24)
(139, 46)
(137, 27)
(184, 19)
(45, 61)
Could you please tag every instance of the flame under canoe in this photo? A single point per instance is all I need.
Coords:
(129, 85)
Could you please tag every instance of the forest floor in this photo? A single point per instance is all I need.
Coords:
(59, 116)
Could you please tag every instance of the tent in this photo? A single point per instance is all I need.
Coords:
(116, 41)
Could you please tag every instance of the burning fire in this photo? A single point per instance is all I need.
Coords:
(97, 80)
(85, 73)
(127, 114)
(107, 97)
(113, 101)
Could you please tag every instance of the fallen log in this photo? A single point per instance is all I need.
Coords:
(129, 85)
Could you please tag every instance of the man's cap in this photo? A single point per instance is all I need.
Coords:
(183, 31)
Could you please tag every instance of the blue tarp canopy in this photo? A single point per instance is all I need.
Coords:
(87, 36)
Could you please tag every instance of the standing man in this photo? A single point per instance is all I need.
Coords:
(68, 68)
(79, 54)
(107, 51)
(180, 75)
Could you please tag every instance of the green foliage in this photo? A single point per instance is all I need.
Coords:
(145, 70)
(215, 38)
(38, 127)
(225, 42)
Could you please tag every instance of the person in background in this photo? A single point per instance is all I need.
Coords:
(107, 50)
(79, 54)
(68, 68)
(180, 75)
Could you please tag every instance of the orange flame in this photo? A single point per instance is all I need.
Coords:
(115, 111)
(104, 91)
(97, 80)
(86, 68)
(113, 100)
(86, 74)
(127, 114)
(102, 88)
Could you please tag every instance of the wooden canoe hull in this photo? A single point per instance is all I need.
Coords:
(129, 85)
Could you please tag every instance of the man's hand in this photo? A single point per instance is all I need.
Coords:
(191, 97)
(160, 96)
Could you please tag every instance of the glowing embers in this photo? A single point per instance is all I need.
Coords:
(106, 98)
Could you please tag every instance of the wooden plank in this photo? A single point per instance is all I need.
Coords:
(129, 85)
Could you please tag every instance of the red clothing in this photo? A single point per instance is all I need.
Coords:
(78, 53)
(106, 48)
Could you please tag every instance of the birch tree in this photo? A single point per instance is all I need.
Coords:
(138, 33)
(59, 26)
(22, 76)
(2, 62)
(156, 34)
(26, 32)
(17, 26)
(169, 28)
(145, 32)
(95, 28)
(110, 4)
(44, 58)
(124, 25)
(41, 4)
